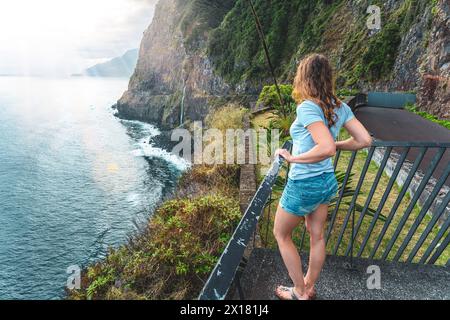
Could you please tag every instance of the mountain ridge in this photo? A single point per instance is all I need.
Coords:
(122, 66)
(210, 50)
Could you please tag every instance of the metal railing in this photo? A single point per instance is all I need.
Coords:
(399, 228)
(223, 274)
(390, 241)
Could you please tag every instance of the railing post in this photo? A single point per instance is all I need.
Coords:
(341, 193)
(356, 194)
(391, 182)
(413, 202)
(399, 199)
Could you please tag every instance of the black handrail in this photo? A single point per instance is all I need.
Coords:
(223, 274)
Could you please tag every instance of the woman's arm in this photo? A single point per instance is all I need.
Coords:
(360, 138)
(325, 146)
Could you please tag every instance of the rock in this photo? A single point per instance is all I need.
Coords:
(174, 63)
(434, 89)
(166, 69)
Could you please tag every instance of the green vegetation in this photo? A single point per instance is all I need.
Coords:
(236, 50)
(382, 53)
(183, 240)
(199, 17)
(177, 251)
(382, 50)
(428, 116)
(345, 92)
(269, 96)
(434, 9)
(283, 116)
(294, 28)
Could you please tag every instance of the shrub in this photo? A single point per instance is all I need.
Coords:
(211, 179)
(345, 92)
(382, 52)
(228, 117)
(171, 258)
(269, 96)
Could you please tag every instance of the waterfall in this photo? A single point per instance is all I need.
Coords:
(182, 103)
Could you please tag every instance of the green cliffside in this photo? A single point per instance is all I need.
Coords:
(210, 51)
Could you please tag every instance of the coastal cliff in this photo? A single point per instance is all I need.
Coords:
(174, 71)
(198, 54)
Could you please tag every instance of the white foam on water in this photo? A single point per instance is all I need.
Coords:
(147, 149)
(147, 128)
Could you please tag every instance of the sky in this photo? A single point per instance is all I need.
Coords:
(62, 37)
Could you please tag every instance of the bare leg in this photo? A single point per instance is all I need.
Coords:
(285, 223)
(315, 223)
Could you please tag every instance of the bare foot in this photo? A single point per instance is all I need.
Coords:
(310, 290)
(290, 293)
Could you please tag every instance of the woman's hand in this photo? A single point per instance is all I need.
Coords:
(285, 154)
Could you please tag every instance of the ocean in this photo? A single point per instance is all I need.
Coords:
(74, 179)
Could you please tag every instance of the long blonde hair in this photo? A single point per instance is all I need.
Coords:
(314, 81)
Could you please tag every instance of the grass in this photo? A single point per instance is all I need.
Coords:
(368, 182)
(266, 224)
(428, 116)
(262, 120)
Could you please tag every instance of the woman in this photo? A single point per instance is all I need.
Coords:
(312, 183)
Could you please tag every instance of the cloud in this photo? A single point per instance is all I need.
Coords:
(123, 35)
(61, 37)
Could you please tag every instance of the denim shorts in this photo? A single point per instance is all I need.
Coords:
(301, 197)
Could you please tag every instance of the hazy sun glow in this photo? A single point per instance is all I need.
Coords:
(66, 36)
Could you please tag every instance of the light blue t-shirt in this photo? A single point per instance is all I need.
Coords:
(309, 112)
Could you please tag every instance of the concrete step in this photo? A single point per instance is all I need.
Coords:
(265, 271)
